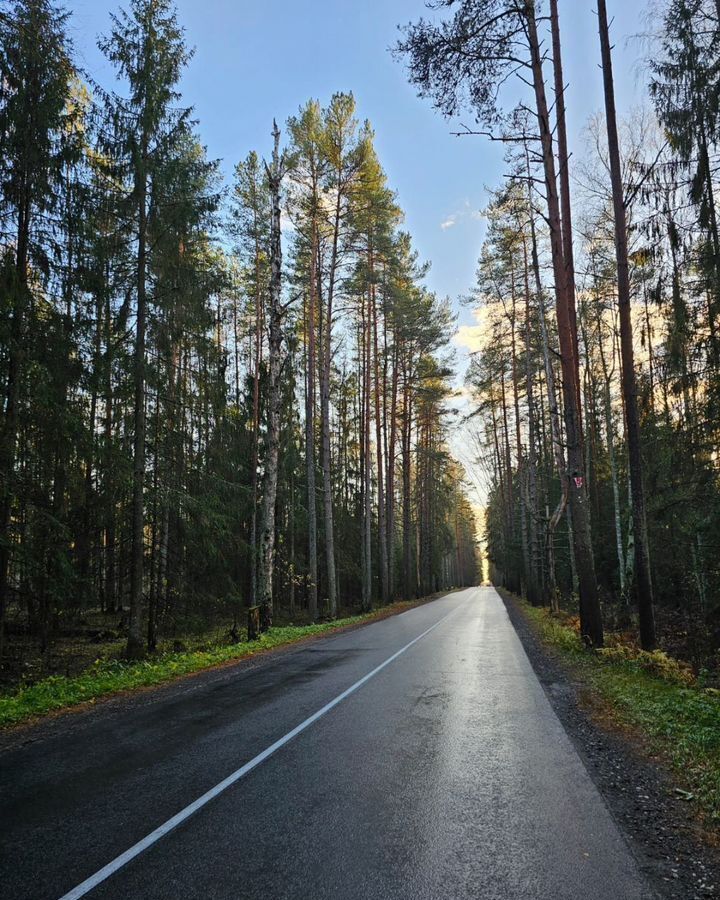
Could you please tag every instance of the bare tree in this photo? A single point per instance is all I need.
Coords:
(276, 313)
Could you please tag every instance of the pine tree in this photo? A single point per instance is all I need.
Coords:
(36, 71)
(147, 47)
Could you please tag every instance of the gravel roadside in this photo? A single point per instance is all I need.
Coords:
(677, 858)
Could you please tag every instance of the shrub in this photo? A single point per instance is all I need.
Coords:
(655, 662)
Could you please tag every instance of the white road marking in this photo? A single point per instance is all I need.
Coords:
(102, 874)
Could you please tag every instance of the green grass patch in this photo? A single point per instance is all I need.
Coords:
(111, 676)
(654, 695)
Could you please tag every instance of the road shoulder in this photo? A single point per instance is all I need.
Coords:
(670, 847)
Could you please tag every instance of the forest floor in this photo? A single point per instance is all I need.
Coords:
(85, 664)
(670, 819)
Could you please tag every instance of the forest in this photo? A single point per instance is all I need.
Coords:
(216, 397)
(596, 384)
(228, 401)
(324, 573)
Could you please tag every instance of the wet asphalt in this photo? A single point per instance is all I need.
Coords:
(445, 776)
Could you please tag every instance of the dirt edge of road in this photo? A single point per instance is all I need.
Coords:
(677, 858)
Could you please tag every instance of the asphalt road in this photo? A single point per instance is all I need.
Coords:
(444, 775)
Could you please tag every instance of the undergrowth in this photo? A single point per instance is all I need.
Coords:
(111, 676)
(651, 693)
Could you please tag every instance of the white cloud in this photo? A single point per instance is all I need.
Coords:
(463, 212)
(474, 337)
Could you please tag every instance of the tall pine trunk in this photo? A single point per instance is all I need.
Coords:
(406, 481)
(643, 578)
(366, 468)
(310, 436)
(590, 614)
(534, 574)
(325, 417)
(390, 476)
(382, 532)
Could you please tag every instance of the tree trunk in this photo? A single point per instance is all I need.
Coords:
(532, 500)
(382, 532)
(8, 437)
(256, 421)
(406, 482)
(556, 437)
(629, 383)
(609, 438)
(310, 439)
(366, 474)
(275, 317)
(135, 647)
(564, 176)
(590, 614)
(325, 416)
(390, 489)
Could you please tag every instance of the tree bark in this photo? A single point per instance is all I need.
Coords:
(366, 476)
(382, 533)
(275, 318)
(609, 438)
(256, 418)
(564, 177)
(135, 648)
(532, 499)
(9, 435)
(390, 489)
(310, 435)
(406, 478)
(590, 614)
(629, 383)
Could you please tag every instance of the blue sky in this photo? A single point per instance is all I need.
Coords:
(256, 60)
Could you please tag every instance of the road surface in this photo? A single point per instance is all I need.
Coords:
(444, 774)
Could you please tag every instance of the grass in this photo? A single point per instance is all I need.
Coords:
(654, 696)
(112, 676)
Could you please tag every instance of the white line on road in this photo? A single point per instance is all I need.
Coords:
(94, 880)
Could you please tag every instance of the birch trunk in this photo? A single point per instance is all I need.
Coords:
(610, 440)
(534, 578)
(275, 317)
(382, 532)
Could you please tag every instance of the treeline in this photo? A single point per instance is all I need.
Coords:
(597, 376)
(213, 398)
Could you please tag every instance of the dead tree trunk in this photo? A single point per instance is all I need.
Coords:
(275, 318)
